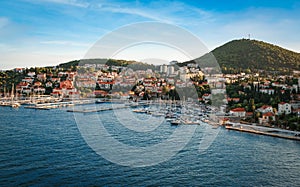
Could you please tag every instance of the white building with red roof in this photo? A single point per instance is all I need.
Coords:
(206, 96)
(266, 118)
(265, 109)
(41, 76)
(238, 112)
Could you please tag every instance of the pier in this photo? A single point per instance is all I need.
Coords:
(278, 133)
(48, 106)
(96, 110)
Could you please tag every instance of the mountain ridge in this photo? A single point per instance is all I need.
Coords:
(246, 55)
(235, 56)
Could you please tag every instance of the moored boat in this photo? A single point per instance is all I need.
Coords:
(175, 122)
(15, 105)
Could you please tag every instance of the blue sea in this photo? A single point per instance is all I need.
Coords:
(49, 148)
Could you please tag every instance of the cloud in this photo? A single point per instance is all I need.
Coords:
(174, 12)
(76, 3)
(145, 13)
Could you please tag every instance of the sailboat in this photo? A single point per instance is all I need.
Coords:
(14, 104)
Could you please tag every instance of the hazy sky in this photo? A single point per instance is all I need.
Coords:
(49, 32)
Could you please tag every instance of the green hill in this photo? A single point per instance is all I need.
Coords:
(254, 56)
(233, 57)
(110, 62)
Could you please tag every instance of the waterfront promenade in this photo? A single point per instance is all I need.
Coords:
(260, 130)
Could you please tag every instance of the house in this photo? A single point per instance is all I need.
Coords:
(26, 90)
(269, 91)
(54, 79)
(66, 84)
(71, 75)
(249, 114)
(48, 84)
(238, 112)
(74, 95)
(284, 108)
(31, 74)
(224, 121)
(39, 90)
(206, 96)
(61, 74)
(41, 76)
(236, 100)
(266, 118)
(265, 109)
(56, 92)
(28, 79)
(37, 84)
(19, 70)
(23, 85)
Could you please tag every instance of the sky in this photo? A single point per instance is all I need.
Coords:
(49, 32)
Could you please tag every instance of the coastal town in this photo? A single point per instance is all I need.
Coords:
(269, 100)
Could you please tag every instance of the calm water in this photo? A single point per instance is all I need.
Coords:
(46, 148)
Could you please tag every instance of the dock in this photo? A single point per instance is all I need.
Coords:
(96, 110)
(48, 106)
(254, 131)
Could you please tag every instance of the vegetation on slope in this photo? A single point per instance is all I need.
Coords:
(252, 56)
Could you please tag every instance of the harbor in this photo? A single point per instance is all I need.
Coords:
(175, 112)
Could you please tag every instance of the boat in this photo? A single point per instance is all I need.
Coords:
(175, 122)
(189, 122)
(139, 111)
(102, 101)
(170, 115)
(15, 105)
(157, 114)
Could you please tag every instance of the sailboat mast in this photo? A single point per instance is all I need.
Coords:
(12, 92)
(5, 92)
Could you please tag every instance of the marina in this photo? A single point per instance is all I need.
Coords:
(175, 112)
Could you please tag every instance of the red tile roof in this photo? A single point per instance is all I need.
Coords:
(265, 106)
(238, 110)
(268, 114)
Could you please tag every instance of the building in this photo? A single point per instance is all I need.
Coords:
(19, 70)
(163, 68)
(284, 108)
(31, 74)
(48, 84)
(267, 91)
(170, 70)
(66, 84)
(206, 96)
(238, 112)
(266, 118)
(41, 76)
(265, 109)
